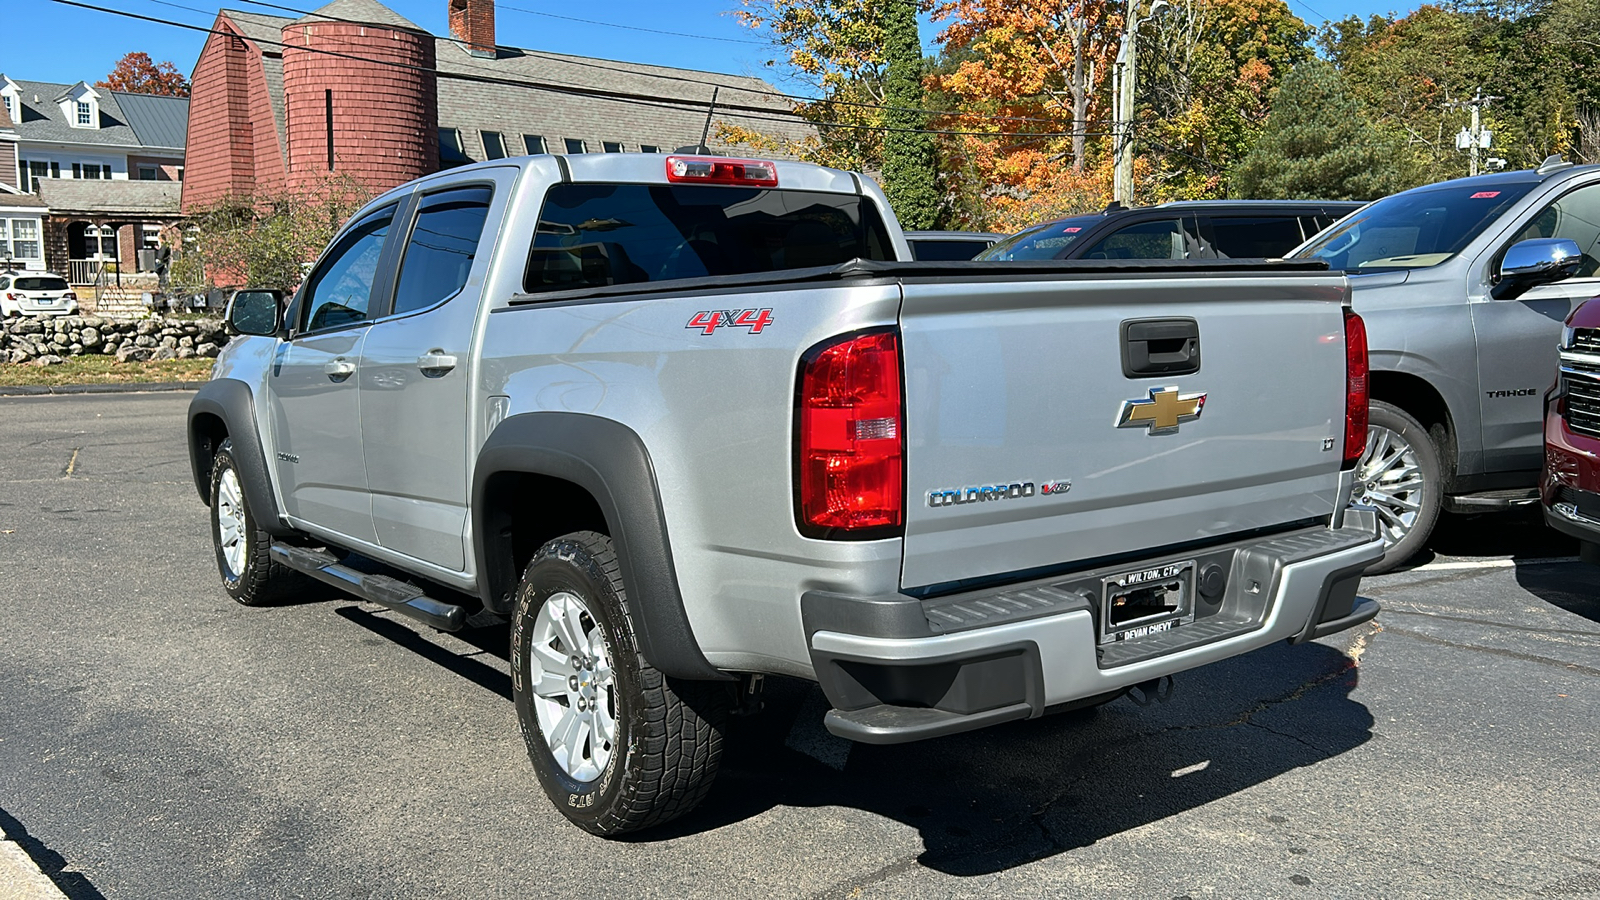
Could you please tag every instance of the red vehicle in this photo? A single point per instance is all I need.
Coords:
(1570, 488)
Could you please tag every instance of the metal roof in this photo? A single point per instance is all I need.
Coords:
(158, 121)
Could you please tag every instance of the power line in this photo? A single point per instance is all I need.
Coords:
(698, 37)
(756, 113)
(592, 64)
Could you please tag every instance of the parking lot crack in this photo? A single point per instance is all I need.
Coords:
(1496, 651)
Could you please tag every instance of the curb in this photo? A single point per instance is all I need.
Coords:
(20, 877)
(40, 390)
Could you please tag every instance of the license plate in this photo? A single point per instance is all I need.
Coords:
(1146, 601)
(45, 301)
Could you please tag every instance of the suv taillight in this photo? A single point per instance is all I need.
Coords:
(1357, 389)
(850, 460)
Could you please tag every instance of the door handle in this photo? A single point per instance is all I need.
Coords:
(436, 362)
(339, 369)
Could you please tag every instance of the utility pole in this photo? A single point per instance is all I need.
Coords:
(1474, 138)
(1124, 77)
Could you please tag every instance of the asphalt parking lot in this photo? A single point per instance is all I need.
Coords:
(157, 740)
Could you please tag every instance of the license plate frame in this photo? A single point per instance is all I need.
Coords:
(1136, 586)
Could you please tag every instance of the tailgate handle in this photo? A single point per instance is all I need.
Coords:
(1160, 347)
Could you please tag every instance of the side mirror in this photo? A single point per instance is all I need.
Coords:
(256, 311)
(1534, 262)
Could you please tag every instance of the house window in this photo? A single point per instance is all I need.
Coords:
(148, 173)
(77, 170)
(533, 143)
(149, 237)
(106, 172)
(180, 173)
(84, 113)
(576, 146)
(55, 170)
(24, 239)
(494, 146)
(649, 148)
(611, 146)
(450, 150)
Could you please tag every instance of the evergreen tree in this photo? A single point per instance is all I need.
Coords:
(1319, 144)
(910, 162)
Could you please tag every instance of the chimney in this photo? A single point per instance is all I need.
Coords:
(472, 22)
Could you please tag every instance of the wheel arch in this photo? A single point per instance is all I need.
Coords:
(221, 410)
(544, 474)
(1423, 402)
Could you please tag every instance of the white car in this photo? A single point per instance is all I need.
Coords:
(30, 294)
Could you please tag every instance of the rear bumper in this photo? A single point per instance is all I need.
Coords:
(898, 668)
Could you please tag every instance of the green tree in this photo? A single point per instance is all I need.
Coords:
(1319, 144)
(910, 162)
(263, 241)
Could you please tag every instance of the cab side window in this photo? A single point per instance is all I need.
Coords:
(443, 244)
(1575, 216)
(339, 292)
(1162, 239)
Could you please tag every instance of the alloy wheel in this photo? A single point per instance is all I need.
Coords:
(574, 688)
(231, 530)
(1389, 479)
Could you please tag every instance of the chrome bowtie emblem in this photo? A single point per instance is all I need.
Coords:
(1163, 412)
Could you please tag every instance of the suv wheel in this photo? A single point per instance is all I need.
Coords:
(1400, 476)
(617, 745)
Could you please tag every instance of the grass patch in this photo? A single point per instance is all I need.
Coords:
(99, 369)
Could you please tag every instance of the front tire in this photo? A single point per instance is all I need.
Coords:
(248, 572)
(616, 745)
(1401, 476)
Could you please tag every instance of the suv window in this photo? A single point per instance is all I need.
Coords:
(1416, 229)
(1253, 237)
(1576, 216)
(37, 283)
(592, 235)
(340, 290)
(1047, 241)
(1161, 239)
(442, 246)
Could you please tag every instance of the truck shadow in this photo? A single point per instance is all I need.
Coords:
(995, 799)
(1570, 587)
(1521, 533)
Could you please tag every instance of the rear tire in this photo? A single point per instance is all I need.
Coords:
(249, 574)
(617, 746)
(1401, 476)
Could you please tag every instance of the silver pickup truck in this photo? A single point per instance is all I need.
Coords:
(688, 422)
(1463, 286)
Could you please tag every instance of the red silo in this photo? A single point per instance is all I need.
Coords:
(360, 97)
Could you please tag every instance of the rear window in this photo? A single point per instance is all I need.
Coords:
(592, 235)
(41, 284)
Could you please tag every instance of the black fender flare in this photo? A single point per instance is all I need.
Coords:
(232, 401)
(609, 460)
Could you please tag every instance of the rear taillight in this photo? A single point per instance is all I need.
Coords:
(850, 462)
(717, 170)
(1357, 389)
(69, 295)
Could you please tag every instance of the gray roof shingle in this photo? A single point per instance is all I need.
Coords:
(70, 195)
(42, 119)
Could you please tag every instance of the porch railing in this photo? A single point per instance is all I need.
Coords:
(84, 271)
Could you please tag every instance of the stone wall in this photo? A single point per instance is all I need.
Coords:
(49, 341)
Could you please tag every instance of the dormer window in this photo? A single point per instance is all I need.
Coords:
(80, 106)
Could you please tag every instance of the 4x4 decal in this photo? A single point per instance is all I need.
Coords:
(711, 319)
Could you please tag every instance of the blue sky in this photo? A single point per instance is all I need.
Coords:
(97, 40)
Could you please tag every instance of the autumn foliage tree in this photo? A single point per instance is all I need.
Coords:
(135, 73)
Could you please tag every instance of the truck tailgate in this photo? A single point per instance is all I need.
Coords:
(1015, 458)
